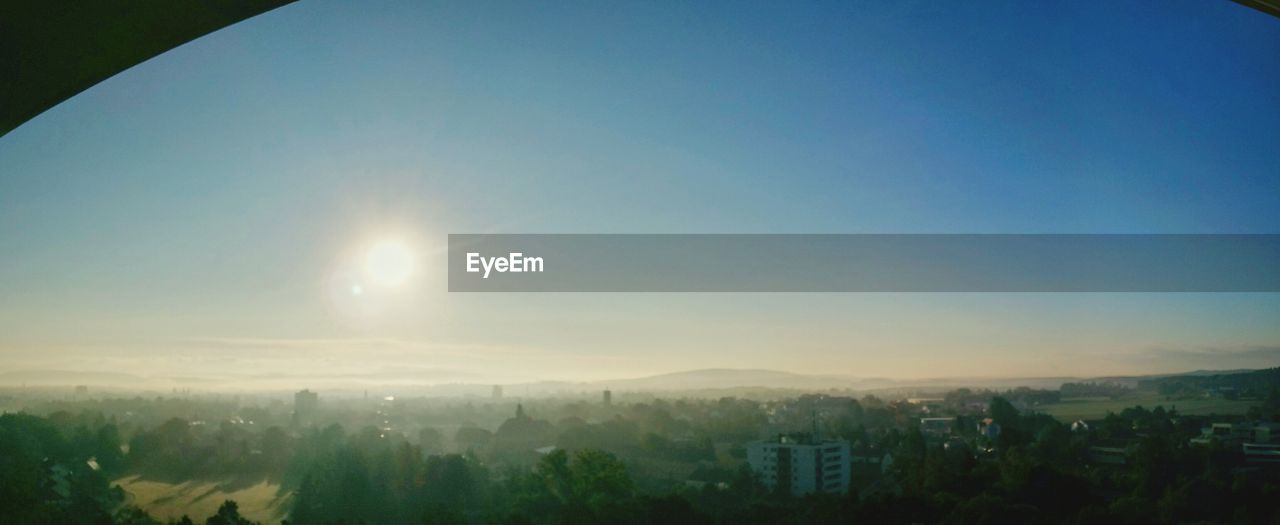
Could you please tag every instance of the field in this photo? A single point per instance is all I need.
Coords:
(1097, 408)
(259, 501)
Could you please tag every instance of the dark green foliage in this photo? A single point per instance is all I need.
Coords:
(609, 470)
(46, 478)
(228, 514)
(1253, 384)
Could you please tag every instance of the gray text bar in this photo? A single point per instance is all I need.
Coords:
(863, 263)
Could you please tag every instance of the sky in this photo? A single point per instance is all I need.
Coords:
(199, 215)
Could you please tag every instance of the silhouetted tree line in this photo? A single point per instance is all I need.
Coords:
(1254, 384)
(963, 397)
(1095, 389)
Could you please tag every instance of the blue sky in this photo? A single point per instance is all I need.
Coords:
(209, 193)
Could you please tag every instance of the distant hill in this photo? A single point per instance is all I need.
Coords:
(67, 378)
(1252, 382)
(730, 378)
(702, 382)
(712, 378)
(725, 378)
(1135, 381)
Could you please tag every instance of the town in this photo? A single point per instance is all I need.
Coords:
(621, 457)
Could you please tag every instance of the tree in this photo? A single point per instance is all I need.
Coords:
(1003, 412)
(448, 483)
(131, 515)
(431, 441)
(472, 438)
(228, 514)
(599, 476)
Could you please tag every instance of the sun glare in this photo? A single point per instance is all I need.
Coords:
(389, 263)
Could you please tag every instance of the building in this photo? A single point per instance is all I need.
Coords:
(608, 398)
(497, 391)
(1228, 434)
(1109, 454)
(988, 428)
(305, 404)
(1260, 453)
(1264, 432)
(801, 464)
(1262, 446)
(937, 426)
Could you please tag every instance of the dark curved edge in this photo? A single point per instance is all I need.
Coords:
(50, 50)
(1271, 7)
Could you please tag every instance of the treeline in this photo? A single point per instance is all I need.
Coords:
(56, 469)
(176, 450)
(1256, 384)
(369, 480)
(1036, 471)
(1095, 389)
(1040, 472)
(964, 397)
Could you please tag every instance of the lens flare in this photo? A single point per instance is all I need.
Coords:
(389, 263)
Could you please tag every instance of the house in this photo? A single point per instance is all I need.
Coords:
(989, 428)
(937, 426)
(1262, 453)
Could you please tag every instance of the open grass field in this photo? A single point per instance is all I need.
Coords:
(200, 499)
(1097, 408)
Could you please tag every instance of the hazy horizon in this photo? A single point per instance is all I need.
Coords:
(414, 379)
(271, 201)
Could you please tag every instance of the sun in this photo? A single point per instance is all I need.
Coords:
(389, 263)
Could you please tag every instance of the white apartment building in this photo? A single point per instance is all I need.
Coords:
(801, 464)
